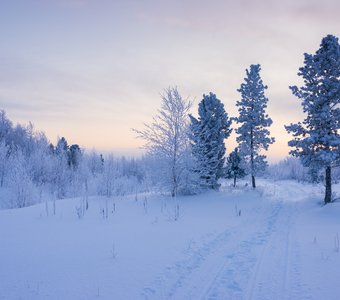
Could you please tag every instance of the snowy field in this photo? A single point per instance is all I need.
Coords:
(278, 242)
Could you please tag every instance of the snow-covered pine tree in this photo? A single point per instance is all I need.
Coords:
(253, 135)
(207, 134)
(317, 139)
(235, 168)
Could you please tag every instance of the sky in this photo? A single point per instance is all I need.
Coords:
(91, 70)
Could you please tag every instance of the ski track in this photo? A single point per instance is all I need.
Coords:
(230, 283)
(276, 274)
(259, 264)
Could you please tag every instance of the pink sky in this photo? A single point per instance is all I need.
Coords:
(92, 70)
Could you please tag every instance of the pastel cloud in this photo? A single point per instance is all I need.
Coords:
(91, 70)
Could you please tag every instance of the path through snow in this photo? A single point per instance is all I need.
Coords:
(257, 259)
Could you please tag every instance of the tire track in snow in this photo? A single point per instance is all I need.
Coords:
(269, 280)
(218, 269)
(277, 274)
(173, 279)
(232, 282)
(296, 289)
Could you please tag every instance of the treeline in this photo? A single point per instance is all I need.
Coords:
(32, 169)
(292, 168)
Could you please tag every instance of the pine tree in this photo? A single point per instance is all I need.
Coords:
(61, 175)
(235, 168)
(317, 140)
(253, 135)
(208, 133)
(74, 156)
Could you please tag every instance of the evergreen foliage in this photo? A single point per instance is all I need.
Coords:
(253, 135)
(316, 141)
(235, 167)
(207, 134)
(74, 156)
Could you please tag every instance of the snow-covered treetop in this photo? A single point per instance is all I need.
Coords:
(252, 115)
(317, 139)
(211, 110)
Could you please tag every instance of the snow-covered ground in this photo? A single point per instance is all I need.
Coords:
(278, 242)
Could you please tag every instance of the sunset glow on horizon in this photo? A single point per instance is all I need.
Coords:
(92, 70)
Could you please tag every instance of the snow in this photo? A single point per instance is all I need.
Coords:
(281, 246)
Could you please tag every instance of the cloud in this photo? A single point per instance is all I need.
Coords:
(68, 3)
(98, 66)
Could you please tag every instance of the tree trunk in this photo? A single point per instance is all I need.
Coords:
(252, 160)
(174, 187)
(2, 179)
(253, 181)
(234, 180)
(328, 193)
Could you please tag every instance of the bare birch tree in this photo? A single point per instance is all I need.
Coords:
(166, 139)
